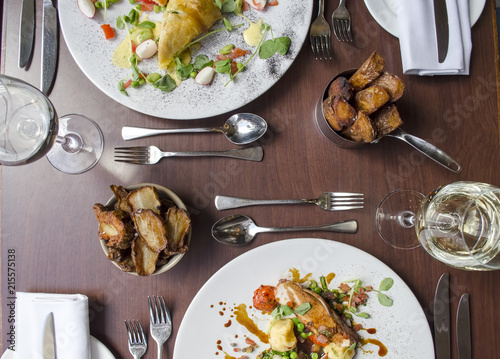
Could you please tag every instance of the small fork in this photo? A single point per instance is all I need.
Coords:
(328, 201)
(136, 339)
(161, 323)
(341, 21)
(320, 35)
(149, 155)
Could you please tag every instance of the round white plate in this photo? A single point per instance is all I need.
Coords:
(402, 328)
(98, 351)
(93, 53)
(385, 12)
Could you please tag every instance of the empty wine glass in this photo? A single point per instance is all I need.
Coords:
(457, 224)
(30, 129)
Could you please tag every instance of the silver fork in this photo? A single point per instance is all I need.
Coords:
(136, 339)
(328, 201)
(320, 35)
(149, 155)
(161, 323)
(341, 21)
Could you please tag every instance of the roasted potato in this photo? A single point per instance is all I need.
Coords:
(178, 224)
(145, 197)
(369, 71)
(151, 228)
(370, 99)
(144, 258)
(338, 112)
(386, 120)
(115, 226)
(394, 86)
(121, 198)
(341, 86)
(362, 130)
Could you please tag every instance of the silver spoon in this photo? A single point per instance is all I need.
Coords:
(239, 230)
(240, 129)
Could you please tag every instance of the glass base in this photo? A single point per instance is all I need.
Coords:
(78, 146)
(395, 218)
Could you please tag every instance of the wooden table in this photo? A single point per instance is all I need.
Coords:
(47, 216)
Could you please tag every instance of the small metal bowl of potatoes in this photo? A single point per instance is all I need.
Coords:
(144, 229)
(358, 107)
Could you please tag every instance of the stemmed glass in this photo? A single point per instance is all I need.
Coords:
(457, 224)
(30, 129)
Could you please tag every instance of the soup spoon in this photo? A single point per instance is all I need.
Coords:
(240, 129)
(239, 230)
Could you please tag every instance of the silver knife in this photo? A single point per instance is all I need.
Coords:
(442, 318)
(442, 29)
(463, 328)
(49, 338)
(26, 33)
(49, 46)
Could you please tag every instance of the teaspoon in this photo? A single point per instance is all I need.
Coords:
(239, 230)
(240, 129)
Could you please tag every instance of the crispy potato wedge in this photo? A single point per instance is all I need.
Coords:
(121, 198)
(367, 72)
(370, 99)
(115, 226)
(341, 86)
(144, 258)
(386, 120)
(394, 86)
(178, 224)
(362, 130)
(338, 112)
(151, 228)
(145, 197)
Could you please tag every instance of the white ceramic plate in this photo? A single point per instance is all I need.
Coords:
(402, 328)
(385, 12)
(98, 351)
(93, 53)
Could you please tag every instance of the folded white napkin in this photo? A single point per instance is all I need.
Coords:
(71, 324)
(418, 42)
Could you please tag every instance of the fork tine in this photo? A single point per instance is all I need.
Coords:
(133, 162)
(151, 312)
(138, 148)
(143, 336)
(348, 31)
(345, 31)
(336, 30)
(345, 194)
(344, 208)
(165, 313)
(329, 45)
(129, 332)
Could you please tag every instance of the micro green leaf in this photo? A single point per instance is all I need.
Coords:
(166, 84)
(303, 308)
(146, 25)
(267, 49)
(282, 44)
(384, 300)
(286, 310)
(363, 315)
(386, 284)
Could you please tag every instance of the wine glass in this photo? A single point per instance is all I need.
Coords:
(457, 224)
(30, 129)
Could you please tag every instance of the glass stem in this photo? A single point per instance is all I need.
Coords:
(406, 219)
(71, 142)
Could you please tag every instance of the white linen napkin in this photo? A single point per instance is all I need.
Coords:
(418, 42)
(71, 324)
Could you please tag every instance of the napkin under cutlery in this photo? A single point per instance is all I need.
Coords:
(71, 324)
(418, 41)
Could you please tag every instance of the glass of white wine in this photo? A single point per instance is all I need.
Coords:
(30, 129)
(457, 224)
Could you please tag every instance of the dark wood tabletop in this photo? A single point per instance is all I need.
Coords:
(48, 222)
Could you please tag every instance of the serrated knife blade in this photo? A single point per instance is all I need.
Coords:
(26, 33)
(49, 46)
(442, 29)
(49, 338)
(442, 340)
(463, 328)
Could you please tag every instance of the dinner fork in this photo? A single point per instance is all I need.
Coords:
(136, 339)
(341, 21)
(149, 155)
(161, 323)
(320, 35)
(328, 201)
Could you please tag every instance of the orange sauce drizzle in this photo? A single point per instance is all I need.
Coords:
(382, 349)
(243, 319)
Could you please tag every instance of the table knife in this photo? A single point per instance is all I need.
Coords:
(463, 328)
(49, 338)
(26, 33)
(49, 46)
(442, 340)
(442, 29)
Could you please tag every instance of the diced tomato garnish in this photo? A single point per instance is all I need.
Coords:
(245, 6)
(320, 339)
(133, 45)
(234, 67)
(127, 84)
(147, 5)
(250, 341)
(237, 52)
(344, 287)
(272, 3)
(108, 31)
(357, 327)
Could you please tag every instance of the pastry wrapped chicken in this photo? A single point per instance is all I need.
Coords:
(182, 21)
